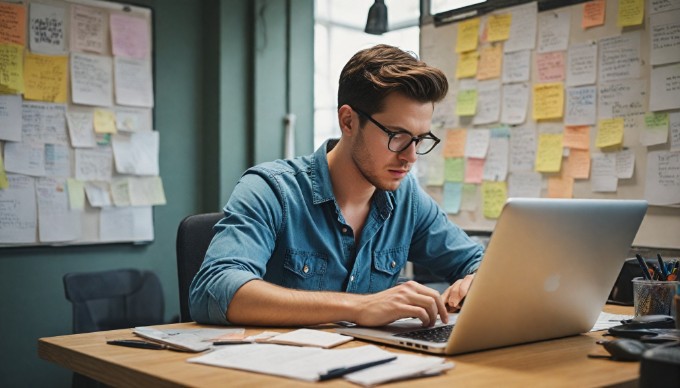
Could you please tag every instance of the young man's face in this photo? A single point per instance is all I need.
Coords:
(381, 167)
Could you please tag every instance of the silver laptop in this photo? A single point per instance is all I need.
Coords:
(546, 273)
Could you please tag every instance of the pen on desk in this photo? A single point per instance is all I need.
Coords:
(338, 372)
(137, 344)
(643, 265)
(236, 342)
(662, 266)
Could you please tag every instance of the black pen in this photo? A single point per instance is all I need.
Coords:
(236, 342)
(338, 372)
(137, 344)
(662, 266)
(643, 265)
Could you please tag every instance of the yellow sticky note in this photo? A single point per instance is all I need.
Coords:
(454, 145)
(76, 194)
(466, 102)
(104, 121)
(609, 132)
(548, 101)
(494, 195)
(490, 62)
(631, 13)
(467, 64)
(11, 69)
(4, 183)
(468, 32)
(499, 27)
(549, 153)
(560, 186)
(454, 169)
(45, 77)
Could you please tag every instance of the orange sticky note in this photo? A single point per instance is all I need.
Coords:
(577, 137)
(455, 143)
(13, 24)
(578, 164)
(560, 186)
(593, 13)
(490, 62)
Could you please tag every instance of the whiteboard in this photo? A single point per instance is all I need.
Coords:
(661, 226)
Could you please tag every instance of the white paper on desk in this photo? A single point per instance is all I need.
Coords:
(310, 337)
(607, 320)
(406, 366)
(302, 363)
(192, 340)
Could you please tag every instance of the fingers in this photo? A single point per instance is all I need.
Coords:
(429, 300)
(455, 294)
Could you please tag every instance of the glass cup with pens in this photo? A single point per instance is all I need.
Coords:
(653, 292)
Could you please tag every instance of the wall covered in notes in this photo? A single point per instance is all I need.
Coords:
(79, 161)
(581, 101)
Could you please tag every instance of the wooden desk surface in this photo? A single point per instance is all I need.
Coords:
(561, 362)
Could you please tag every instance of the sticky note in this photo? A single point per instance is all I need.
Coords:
(466, 102)
(548, 101)
(104, 121)
(45, 77)
(631, 13)
(499, 27)
(467, 38)
(494, 195)
(467, 64)
(549, 152)
(609, 132)
(454, 169)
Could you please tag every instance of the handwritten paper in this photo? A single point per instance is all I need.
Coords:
(548, 101)
(488, 102)
(454, 169)
(45, 77)
(87, 29)
(581, 106)
(81, 128)
(477, 143)
(674, 129)
(593, 13)
(523, 28)
(43, 123)
(609, 133)
(98, 194)
(665, 88)
(136, 153)
(496, 164)
(56, 222)
(466, 102)
(18, 214)
(499, 27)
(525, 184)
(10, 117)
(494, 195)
(126, 224)
(25, 158)
(582, 64)
(550, 66)
(620, 57)
(91, 79)
(453, 195)
(626, 99)
(603, 175)
(631, 13)
(662, 179)
(94, 164)
(468, 31)
(46, 29)
(655, 130)
(517, 66)
(454, 144)
(549, 153)
(665, 33)
(515, 103)
(11, 69)
(474, 170)
(13, 24)
(57, 160)
(658, 6)
(560, 186)
(522, 148)
(553, 30)
(576, 137)
(625, 164)
(132, 82)
(490, 62)
(130, 36)
(467, 64)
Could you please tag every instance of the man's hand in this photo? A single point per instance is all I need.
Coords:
(454, 295)
(406, 300)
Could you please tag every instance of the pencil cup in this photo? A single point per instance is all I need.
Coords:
(652, 297)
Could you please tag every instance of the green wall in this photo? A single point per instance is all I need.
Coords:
(211, 82)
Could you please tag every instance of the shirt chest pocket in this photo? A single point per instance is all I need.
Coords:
(304, 270)
(387, 265)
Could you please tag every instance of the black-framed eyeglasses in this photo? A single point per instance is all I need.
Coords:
(399, 141)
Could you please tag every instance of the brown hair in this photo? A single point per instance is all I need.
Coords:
(373, 73)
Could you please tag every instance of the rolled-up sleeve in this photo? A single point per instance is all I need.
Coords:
(242, 246)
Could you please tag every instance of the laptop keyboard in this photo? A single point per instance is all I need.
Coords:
(436, 334)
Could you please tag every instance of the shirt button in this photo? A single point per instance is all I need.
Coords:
(393, 264)
(344, 230)
(305, 269)
(351, 278)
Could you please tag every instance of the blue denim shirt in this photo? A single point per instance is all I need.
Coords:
(283, 225)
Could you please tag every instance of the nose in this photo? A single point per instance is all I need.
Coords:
(409, 154)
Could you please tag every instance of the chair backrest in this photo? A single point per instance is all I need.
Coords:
(114, 299)
(193, 238)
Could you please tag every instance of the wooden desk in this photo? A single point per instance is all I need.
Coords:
(561, 362)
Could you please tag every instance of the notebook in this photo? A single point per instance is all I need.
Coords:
(547, 272)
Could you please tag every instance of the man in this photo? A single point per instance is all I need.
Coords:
(323, 238)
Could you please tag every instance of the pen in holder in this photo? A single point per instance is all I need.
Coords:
(652, 297)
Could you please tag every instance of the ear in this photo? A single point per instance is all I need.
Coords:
(348, 125)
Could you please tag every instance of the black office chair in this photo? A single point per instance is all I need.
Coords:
(113, 299)
(193, 237)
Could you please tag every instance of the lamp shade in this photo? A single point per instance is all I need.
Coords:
(376, 23)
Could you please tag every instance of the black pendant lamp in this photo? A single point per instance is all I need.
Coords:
(376, 23)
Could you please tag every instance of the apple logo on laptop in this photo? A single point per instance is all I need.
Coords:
(552, 283)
